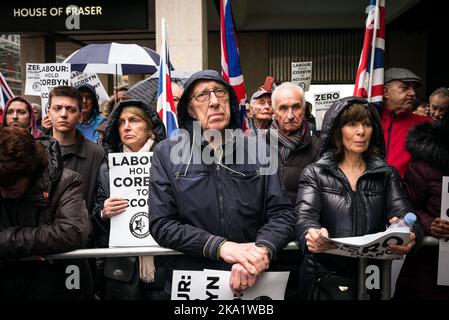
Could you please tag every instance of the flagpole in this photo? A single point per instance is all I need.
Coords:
(373, 49)
(164, 85)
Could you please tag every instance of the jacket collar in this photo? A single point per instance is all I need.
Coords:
(79, 149)
(373, 165)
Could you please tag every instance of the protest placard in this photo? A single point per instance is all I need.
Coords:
(345, 90)
(52, 75)
(214, 285)
(323, 101)
(92, 79)
(443, 256)
(302, 74)
(33, 79)
(129, 178)
(372, 245)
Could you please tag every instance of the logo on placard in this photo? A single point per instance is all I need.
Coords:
(139, 225)
(37, 86)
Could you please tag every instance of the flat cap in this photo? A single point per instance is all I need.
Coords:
(401, 74)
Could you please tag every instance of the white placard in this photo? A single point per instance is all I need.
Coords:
(323, 101)
(129, 178)
(188, 285)
(346, 90)
(33, 79)
(214, 285)
(302, 74)
(92, 79)
(443, 256)
(372, 245)
(52, 75)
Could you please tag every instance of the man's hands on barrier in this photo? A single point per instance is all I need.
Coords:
(316, 240)
(254, 259)
(113, 206)
(404, 248)
(241, 279)
(440, 228)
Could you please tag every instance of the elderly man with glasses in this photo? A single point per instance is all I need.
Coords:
(215, 205)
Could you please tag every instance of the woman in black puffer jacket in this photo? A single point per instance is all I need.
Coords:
(350, 191)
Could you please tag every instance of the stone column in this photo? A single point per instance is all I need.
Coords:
(187, 32)
(35, 48)
(134, 78)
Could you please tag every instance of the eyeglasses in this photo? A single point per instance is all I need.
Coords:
(69, 109)
(204, 96)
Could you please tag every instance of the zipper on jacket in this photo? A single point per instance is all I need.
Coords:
(360, 218)
(220, 199)
(389, 135)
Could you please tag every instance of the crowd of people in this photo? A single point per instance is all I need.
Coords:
(232, 200)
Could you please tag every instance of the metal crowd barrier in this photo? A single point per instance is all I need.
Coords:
(386, 274)
(158, 251)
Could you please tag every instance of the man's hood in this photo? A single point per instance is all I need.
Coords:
(185, 121)
(96, 107)
(112, 142)
(32, 126)
(333, 115)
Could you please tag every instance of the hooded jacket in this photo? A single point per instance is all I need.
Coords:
(326, 199)
(32, 126)
(50, 217)
(111, 144)
(195, 206)
(88, 129)
(122, 270)
(395, 129)
(428, 145)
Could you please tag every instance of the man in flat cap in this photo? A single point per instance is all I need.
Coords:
(261, 110)
(399, 93)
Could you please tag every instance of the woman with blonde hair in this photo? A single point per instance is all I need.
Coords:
(132, 127)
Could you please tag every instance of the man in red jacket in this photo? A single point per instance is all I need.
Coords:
(397, 120)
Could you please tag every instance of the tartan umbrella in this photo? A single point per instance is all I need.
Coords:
(146, 90)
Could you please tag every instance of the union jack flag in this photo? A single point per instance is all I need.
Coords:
(165, 104)
(5, 92)
(230, 59)
(370, 74)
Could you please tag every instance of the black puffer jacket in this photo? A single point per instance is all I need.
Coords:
(325, 197)
(194, 206)
(50, 217)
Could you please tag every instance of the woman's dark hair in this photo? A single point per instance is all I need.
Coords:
(355, 112)
(308, 110)
(419, 102)
(20, 156)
